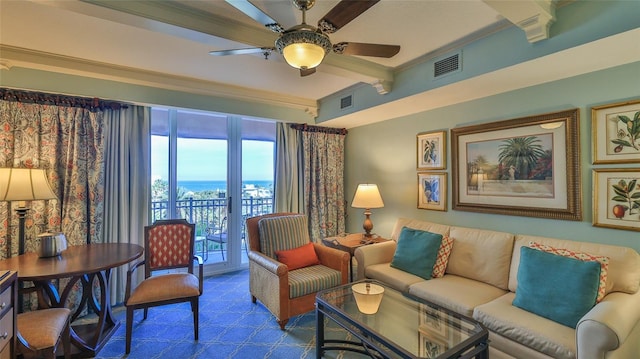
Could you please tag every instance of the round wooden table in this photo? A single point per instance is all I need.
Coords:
(85, 264)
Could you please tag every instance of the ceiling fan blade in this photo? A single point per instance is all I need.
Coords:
(255, 13)
(362, 49)
(307, 72)
(343, 13)
(250, 50)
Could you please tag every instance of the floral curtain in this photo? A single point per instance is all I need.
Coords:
(323, 159)
(63, 135)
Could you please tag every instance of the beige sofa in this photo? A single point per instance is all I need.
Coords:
(481, 279)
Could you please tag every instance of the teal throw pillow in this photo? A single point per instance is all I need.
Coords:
(559, 288)
(416, 252)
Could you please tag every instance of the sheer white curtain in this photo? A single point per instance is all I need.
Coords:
(127, 183)
(289, 182)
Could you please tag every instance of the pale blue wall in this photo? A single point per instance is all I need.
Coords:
(385, 153)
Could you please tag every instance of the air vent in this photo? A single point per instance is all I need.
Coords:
(346, 102)
(447, 65)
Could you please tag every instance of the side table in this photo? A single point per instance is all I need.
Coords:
(349, 243)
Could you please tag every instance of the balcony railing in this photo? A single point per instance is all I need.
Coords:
(210, 212)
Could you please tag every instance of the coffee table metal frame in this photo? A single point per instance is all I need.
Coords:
(376, 345)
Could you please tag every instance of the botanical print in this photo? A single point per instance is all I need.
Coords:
(624, 199)
(431, 186)
(432, 191)
(623, 132)
(431, 150)
(430, 155)
(516, 167)
(616, 132)
(616, 198)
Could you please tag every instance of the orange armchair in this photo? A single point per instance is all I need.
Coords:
(287, 293)
(168, 245)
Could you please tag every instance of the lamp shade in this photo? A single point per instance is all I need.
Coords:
(367, 196)
(24, 184)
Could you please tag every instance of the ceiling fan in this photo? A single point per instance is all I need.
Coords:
(304, 46)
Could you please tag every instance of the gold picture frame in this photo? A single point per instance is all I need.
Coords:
(491, 175)
(432, 191)
(431, 150)
(616, 198)
(616, 132)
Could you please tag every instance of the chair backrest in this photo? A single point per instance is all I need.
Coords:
(169, 244)
(253, 230)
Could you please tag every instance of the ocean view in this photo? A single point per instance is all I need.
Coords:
(200, 186)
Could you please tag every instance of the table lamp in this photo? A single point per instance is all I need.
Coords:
(23, 184)
(367, 196)
(368, 297)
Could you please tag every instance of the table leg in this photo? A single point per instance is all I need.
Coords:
(319, 333)
(351, 266)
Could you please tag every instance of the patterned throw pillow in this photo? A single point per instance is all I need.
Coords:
(443, 257)
(604, 262)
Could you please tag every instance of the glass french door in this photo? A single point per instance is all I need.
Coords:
(215, 171)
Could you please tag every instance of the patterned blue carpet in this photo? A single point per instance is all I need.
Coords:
(231, 326)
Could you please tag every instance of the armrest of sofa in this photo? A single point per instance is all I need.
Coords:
(609, 325)
(374, 254)
(334, 259)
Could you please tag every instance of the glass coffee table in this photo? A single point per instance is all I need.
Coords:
(403, 327)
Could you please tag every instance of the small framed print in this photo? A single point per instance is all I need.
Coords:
(432, 147)
(432, 191)
(616, 198)
(616, 132)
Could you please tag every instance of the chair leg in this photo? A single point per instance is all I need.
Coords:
(283, 323)
(254, 299)
(66, 341)
(146, 312)
(194, 309)
(128, 330)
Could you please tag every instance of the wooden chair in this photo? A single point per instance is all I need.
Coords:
(287, 293)
(40, 332)
(168, 246)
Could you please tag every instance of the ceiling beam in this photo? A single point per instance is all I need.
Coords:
(198, 22)
(533, 16)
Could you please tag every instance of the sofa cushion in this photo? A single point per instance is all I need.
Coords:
(531, 330)
(416, 252)
(559, 288)
(299, 257)
(456, 293)
(604, 263)
(443, 257)
(623, 274)
(282, 233)
(417, 224)
(395, 278)
(492, 266)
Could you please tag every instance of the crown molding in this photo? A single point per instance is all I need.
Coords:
(20, 57)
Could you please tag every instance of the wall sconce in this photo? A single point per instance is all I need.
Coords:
(367, 196)
(23, 184)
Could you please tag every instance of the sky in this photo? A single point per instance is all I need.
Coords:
(206, 159)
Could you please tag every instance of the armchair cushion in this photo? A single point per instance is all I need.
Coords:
(165, 287)
(282, 233)
(300, 257)
(312, 279)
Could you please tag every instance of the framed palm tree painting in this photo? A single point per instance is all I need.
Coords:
(526, 166)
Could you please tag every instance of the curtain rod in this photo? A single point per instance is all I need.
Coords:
(310, 128)
(92, 104)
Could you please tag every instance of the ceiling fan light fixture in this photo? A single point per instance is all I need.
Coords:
(303, 47)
